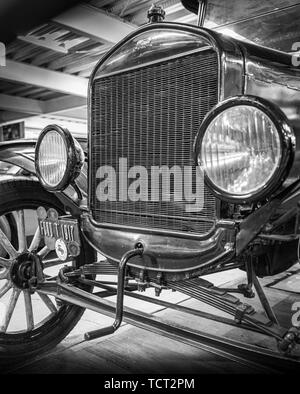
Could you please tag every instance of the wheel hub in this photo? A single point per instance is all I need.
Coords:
(23, 271)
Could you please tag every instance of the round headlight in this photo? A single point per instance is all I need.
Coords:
(58, 158)
(245, 148)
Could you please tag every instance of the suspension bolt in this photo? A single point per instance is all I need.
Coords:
(139, 245)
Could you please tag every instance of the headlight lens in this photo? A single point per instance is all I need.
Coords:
(58, 158)
(240, 150)
(52, 157)
(243, 149)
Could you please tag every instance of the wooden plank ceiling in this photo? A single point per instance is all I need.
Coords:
(48, 67)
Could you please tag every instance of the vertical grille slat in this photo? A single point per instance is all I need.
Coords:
(151, 116)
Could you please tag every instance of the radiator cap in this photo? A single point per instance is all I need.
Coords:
(156, 14)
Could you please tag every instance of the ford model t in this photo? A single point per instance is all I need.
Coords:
(191, 168)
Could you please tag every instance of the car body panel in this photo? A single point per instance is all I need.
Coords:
(237, 60)
(243, 69)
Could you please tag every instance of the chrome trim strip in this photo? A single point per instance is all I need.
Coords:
(229, 252)
(157, 231)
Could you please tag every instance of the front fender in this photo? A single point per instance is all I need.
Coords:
(20, 153)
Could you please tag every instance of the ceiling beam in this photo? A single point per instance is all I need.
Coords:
(21, 104)
(48, 79)
(40, 107)
(64, 104)
(44, 43)
(7, 117)
(94, 23)
(73, 114)
(13, 108)
(81, 65)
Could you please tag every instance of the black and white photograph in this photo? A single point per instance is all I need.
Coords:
(150, 190)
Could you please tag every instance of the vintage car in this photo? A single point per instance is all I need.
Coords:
(192, 168)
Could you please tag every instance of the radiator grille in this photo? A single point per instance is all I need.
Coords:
(150, 117)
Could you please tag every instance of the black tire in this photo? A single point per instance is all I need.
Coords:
(21, 194)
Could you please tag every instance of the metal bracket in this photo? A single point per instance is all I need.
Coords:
(290, 340)
(263, 299)
(201, 12)
(245, 288)
(240, 312)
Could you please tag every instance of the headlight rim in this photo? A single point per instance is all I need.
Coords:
(287, 144)
(75, 158)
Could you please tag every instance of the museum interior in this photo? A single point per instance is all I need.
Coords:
(195, 273)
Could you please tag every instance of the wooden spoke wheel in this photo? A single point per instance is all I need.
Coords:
(30, 322)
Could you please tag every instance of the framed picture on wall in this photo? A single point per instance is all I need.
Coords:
(12, 131)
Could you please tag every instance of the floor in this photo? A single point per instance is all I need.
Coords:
(133, 350)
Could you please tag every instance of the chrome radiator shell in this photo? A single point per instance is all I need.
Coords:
(166, 250)
(141, 53)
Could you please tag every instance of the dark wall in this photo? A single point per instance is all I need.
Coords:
(20, 16)
(191, 5)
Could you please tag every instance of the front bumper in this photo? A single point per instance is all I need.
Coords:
(163, 253)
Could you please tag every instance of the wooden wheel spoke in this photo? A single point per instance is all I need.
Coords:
(35, 240)
(10, 310)
(6, 244)
(21, 230)
(4, 289)
(47, 301)
(5, 263)
(4, 273)
(29, 311)
(4, 268)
